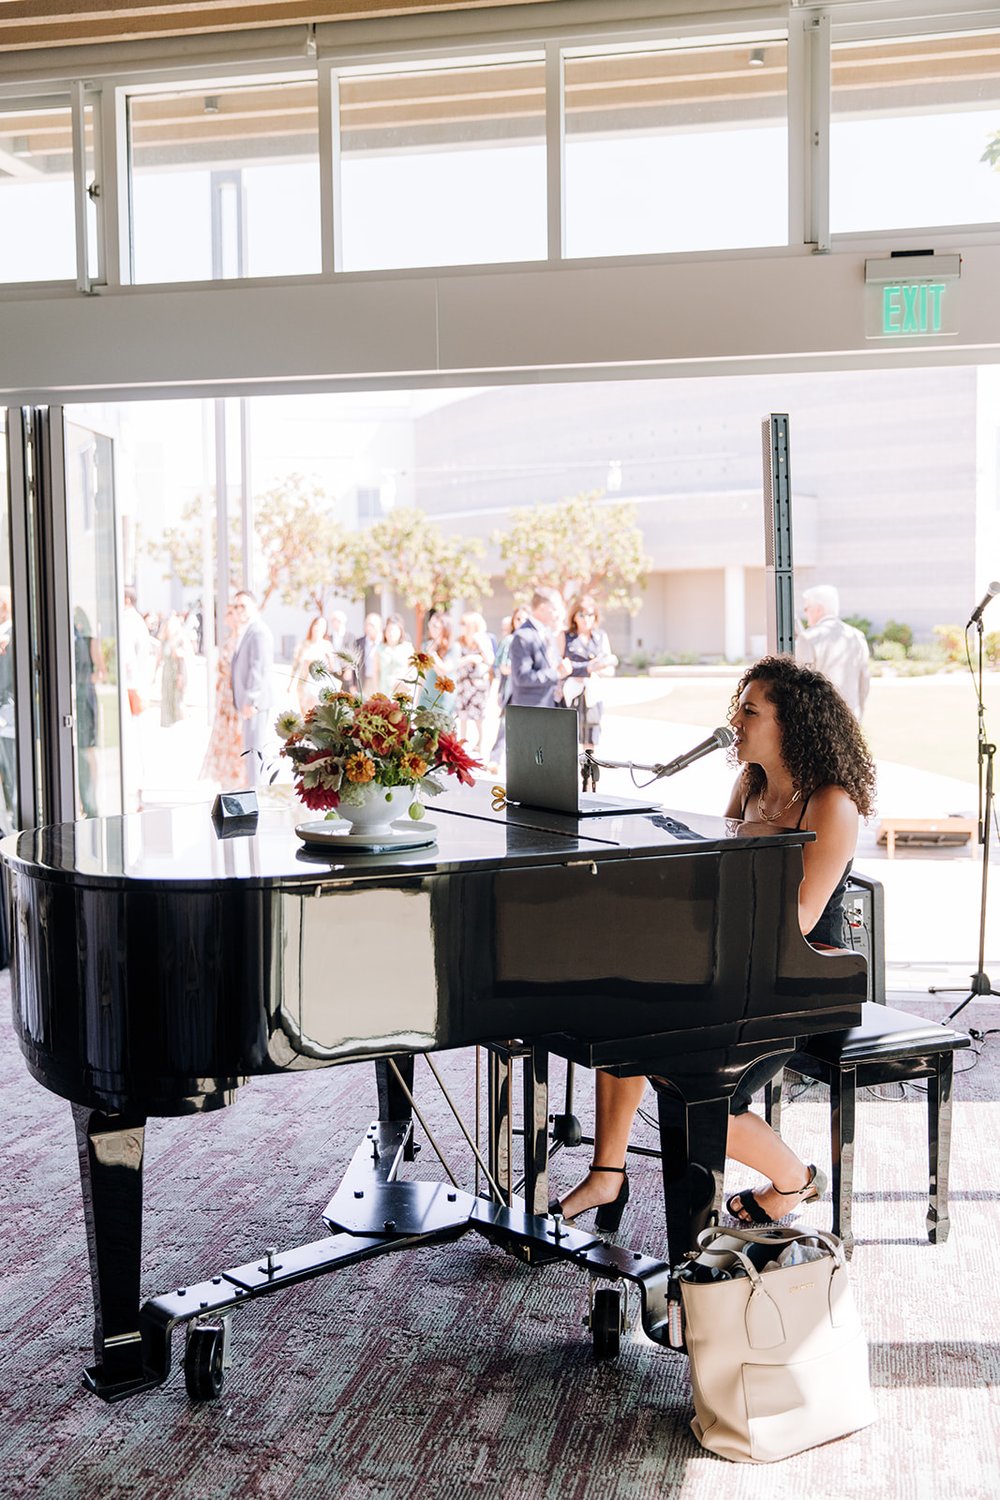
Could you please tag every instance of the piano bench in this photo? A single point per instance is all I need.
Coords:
(890, 1046)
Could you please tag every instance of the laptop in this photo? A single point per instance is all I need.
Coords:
(543, 766)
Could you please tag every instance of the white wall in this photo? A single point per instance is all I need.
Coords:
(734, 313)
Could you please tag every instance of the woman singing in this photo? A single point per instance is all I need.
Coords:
(804, 764)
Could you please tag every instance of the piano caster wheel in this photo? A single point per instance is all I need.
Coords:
(566, 1130)
(203, 1361)
(607, 1323)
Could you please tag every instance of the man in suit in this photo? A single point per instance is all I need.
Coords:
(536, 668)
(253, 660)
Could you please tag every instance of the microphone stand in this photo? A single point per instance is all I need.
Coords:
(980, 984)
(590, 769)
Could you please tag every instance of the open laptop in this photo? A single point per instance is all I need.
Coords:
(543, 766)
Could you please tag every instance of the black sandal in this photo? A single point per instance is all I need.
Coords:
(750, 1211)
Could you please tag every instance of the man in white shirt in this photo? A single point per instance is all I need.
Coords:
(834, 648)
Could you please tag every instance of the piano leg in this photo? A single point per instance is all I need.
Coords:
(692, 1184)
(111, 1150)
(392, 1101)
(535, 1085)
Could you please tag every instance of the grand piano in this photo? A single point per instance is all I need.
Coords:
(158, 964)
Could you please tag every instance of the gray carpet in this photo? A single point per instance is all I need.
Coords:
(455, 1371)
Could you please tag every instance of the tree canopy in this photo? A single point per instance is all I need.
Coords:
(581, 545)
(425, 569)
(308, 555)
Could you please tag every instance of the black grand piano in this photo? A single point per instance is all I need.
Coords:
(157, 965)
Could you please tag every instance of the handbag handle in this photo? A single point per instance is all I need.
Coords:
(768, 1237)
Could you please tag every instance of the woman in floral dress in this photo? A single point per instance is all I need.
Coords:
(224, 761)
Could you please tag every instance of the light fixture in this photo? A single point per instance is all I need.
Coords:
(212, 104)
(757, 57)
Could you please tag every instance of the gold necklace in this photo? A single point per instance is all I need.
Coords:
(773, 817)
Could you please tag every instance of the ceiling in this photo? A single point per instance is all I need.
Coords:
(61, 23)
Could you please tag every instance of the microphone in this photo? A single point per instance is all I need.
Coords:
(977, 614)
(719, 739)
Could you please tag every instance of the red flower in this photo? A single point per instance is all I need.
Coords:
(456, 760)
(319, 797)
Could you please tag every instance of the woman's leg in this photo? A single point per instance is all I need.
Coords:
(617, 1100)
(752, 1141)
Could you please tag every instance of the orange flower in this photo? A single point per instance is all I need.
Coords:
(359, 768)
(415, 765)
(421, 661)
(445, 685)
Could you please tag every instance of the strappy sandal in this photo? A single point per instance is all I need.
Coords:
(609, 1215)
(750, 1212)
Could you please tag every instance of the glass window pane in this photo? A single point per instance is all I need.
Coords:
(912, 121)
(8, 744)
(445, 166)
(90, 534)
(680, 149)
(38, 242)
(225, 182)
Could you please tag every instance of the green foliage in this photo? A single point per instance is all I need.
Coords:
(308, 555)
(181, 548)
(425, 568)
(992, 157)
(894, 631)
(860, 623)
(991, 647)
(928, 651)
(952, 641)
(889, 651)
(581, 545)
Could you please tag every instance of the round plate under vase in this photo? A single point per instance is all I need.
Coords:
(334, 833)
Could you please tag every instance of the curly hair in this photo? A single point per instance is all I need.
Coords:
(821, 742)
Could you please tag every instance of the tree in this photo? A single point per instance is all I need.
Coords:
(425, 569)
(181, 548)
(582, 545)
(992, 152)
(308, 555)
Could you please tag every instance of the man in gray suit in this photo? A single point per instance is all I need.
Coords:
(253, 660)
(536, 669)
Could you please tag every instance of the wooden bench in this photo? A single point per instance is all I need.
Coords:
(944, 830)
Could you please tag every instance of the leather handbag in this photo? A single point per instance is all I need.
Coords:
(779, 1361)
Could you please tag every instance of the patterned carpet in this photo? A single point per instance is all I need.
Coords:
(455, 1371)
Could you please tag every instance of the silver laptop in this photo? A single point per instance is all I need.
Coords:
(543, 766)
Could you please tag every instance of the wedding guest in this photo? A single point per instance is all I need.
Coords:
(314, 647)
(439, 646)
(394, 654)
(224, 761)
(368, 654)
(537, 666)
(251, 676)
(587, 647)
(501, 670)
(175, 647)
(473, 669)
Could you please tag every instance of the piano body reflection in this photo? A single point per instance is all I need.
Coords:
(157, 966)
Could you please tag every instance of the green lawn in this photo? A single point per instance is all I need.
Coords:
(926, 722)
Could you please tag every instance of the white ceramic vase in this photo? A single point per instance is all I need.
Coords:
(381, 806)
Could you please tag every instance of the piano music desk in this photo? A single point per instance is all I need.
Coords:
(156, 967)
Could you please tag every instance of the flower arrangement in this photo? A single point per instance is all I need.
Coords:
(346, 742)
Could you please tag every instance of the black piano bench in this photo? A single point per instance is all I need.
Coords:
(890, 1046)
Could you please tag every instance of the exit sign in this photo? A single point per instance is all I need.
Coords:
(910, 297)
